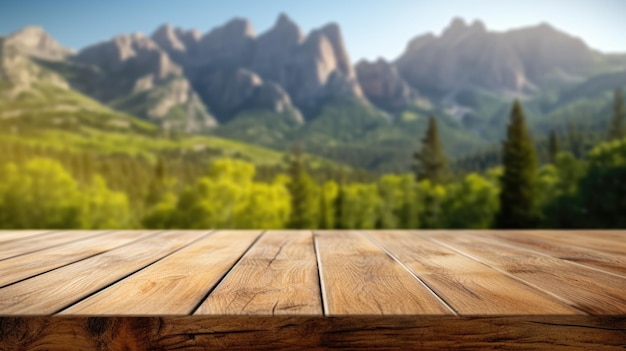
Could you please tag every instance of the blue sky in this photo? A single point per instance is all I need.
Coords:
(371, 28)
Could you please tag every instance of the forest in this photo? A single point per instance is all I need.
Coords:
(559, 183)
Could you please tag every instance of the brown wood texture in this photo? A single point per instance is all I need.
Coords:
(25, 266)
(468, 286)
(359, 278)
(174, 285)
(321, 273)
(10, 235)
(586, 289)
(571, 332)
(277, 276)
(55, 290)
(36, 243)
(568, 248)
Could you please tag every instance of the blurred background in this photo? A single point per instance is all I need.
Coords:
(349, 115)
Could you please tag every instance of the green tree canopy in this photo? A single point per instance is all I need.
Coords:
(431, 159)
(518, 208)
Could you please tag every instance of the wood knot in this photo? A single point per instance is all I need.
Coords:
(97, 325)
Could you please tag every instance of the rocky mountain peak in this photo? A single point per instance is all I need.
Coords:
(35, 41)
(333, 33)
(167, 39)
(231, 44)
(478, 26)
(456, 27)
(238, 27)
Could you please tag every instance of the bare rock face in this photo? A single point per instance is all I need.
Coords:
(463, 56)
(135, 53)
(383, 85)
(469, 56)
(333, 34)
(231, 45)
(167, 39)
(35, 42)
(320, 69)
(544, 49)
(275, 48)
(229, 91)
(19, 73)
(139, 76)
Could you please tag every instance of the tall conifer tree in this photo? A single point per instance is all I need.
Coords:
(617, 130)
(302, 194)
(553, 146)
(517, 194)
(431, 159)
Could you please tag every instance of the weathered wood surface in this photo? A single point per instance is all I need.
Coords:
(312, 289)
(276, 277)
(425, 333)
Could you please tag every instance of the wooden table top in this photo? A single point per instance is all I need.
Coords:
(312, 273)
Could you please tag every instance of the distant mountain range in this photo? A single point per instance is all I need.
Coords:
(284, 87)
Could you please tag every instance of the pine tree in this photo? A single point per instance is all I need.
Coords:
(517, 195)
(617, 130)
(575, 141)
(156, 189)
(553, 146)
(323, 223)
(300, 188)
(339, 202)
(431, 160)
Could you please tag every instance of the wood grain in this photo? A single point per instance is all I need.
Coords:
(278, 276)
(26, 266)
(359, 278)
(588, 290)
(55, 290)
(174, 285)
(425, 333)
(468, 286)
(544, 242)
(610, 242)
(10, 235)
(36, 243)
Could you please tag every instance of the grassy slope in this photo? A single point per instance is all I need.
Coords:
(64, 119)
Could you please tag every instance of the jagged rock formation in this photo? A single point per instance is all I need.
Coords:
(470, 57)
(34, 41)
(139, 76)
(175, 76)
(384, 87)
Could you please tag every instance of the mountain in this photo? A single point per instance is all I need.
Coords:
(284, 87)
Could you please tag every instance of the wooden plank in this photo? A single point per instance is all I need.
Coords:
(278, 276)
(359, 278)
(611, 242)
(26, 266)
(175, 285)
(586, 289)
(36, 243)
(468, 286)
(10, 235)
(55, 290)
(580, 333)
(568, 249)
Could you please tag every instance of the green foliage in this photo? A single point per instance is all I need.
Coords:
(617, 129)
(430, 198)
(42, 194)
(603, 189)
(227, 197)
(432, 162)
(303, 195)
(518, 208)
(359, 206)
(553, 146)
(471, 203)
